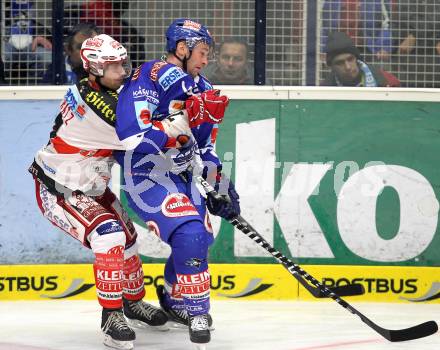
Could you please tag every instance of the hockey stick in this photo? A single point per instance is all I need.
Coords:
(294, 269)
(393, 335)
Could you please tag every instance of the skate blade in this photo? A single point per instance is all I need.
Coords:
(143, 325)
(177, 325)
(118, 344)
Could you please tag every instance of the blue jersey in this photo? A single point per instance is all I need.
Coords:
(155, 90)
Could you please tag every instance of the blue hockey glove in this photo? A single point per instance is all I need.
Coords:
(227, 203)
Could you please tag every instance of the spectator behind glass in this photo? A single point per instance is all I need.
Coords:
(232, 66)
(417, 28)
(347, 68)
(366, 21)
(108, 16)
(27, 50)
(73, 70)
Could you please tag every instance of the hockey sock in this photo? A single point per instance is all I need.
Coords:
(189, 245)
(133, 284)
(108, 267)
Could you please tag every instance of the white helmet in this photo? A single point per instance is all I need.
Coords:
(100, 50)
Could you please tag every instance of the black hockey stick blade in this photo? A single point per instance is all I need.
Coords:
(397, 335)
(422, 330)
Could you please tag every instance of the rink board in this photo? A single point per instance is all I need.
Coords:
(300, 158)
(230, 281)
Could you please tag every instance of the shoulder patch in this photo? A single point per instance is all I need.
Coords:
(136, 73)
(170, 77)
(155, 69)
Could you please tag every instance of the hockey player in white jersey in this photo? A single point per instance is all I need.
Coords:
(71, 176)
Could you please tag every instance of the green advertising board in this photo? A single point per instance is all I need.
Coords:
(332, 182)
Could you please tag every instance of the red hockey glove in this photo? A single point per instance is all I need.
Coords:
(208, 107)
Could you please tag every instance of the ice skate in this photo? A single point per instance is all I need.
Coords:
(199, 333)
(143, 315)
(177, 314)
(117, 333)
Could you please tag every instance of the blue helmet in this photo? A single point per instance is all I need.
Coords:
(190, 31)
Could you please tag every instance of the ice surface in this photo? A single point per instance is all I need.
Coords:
(74, 325)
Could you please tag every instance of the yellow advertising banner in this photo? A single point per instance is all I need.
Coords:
(231, 281)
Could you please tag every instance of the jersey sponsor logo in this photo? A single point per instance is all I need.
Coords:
(87, 207)
(103, 107)
(109, 275)
(194, 286)
(118, 250)
(218, 282)
(170, 77)
(193, 278)
(109, 227)
(178, 205)
(188, 24)
(150, 95)
(155, 69)
(57, 221)
(144, 111)
(47, 167)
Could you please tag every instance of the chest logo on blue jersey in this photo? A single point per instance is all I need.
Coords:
(170, 77)
(144, 111)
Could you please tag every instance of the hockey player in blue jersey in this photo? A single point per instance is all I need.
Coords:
(158, 168)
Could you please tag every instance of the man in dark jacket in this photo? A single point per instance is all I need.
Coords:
(348, 69)
(72, 69)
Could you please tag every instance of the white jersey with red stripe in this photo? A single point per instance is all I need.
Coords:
(79, 153)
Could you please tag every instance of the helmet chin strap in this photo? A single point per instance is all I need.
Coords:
(183, 60)
(95, 81)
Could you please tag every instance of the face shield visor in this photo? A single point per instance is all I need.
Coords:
(193, 42)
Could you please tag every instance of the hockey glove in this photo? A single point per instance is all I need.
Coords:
(208, 107)
(227, 203)
(183, 154)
